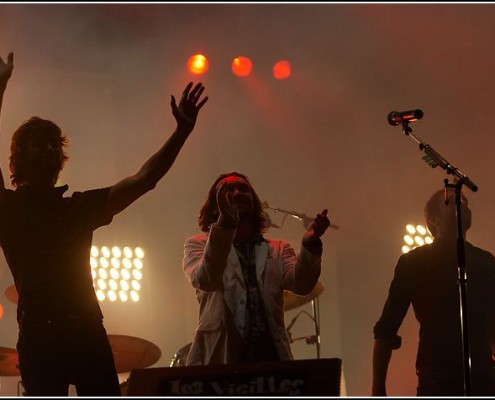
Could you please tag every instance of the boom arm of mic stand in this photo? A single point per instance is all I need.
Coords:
(302, 217)
(434, 159)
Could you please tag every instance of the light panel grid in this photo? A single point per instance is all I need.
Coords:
(416, 236)
(117, 272)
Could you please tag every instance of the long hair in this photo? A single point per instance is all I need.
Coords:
(30, 129)
(209, 211)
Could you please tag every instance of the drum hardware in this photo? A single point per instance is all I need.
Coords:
(9, 362)
(130, 352)
(11, 294)
(292, 301)
(179, 359)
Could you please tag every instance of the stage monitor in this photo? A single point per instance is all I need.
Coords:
(318, 377)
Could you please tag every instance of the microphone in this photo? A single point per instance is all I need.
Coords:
(397, 117)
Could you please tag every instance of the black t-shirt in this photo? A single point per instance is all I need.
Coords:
(427, 278)
(46, 239)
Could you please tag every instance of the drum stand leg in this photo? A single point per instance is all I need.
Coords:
(316, 318)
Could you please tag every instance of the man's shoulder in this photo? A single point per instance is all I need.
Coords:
(89, 192)
(417, 252)
(414, 260)
(430, 249)
(478, 251)
(7, 192)
(7, 197)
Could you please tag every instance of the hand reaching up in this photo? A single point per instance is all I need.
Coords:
(6, 69)
(187, 111)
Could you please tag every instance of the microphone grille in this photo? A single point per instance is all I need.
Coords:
(391, 118)
(418, 114)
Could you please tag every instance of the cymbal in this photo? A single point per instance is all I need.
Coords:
(11, 294)
(131, 352)
(9, 362)
(292, 300)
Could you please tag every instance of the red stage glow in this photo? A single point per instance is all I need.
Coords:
(242, 66)
(281, 70)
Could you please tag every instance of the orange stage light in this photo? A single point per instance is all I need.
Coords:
(281, 70)
(197, 64)
(242, 66)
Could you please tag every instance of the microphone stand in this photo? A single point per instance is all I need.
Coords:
(302, 217)
(434, 159)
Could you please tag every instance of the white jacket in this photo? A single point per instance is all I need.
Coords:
(212, 266)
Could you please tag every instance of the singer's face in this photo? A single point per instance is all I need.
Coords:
(240, 192)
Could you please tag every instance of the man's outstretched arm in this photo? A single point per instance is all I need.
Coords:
(130, 189)
(382, 353)
(6, 69)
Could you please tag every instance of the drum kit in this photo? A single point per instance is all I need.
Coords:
(132, 352)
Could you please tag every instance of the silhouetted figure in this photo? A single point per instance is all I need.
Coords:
(426, 277)
(240, 276)
(46, 239)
